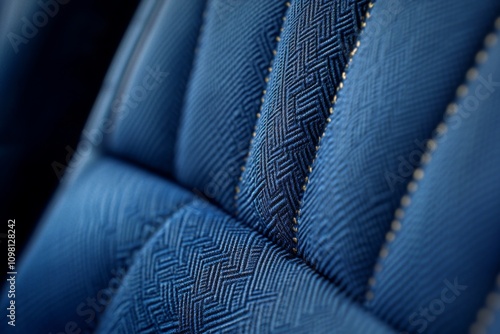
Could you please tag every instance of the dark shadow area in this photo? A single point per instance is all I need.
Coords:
(54, 56)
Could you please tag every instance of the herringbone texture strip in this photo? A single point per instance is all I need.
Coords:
(316, 43)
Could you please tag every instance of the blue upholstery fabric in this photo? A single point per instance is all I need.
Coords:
(394, 97)
(125, 249)
(49, 78)
(457, 201)
(87, 240)
(206, 272)
(147, 108)
(102, 120)
(306, 73)
(235, 51)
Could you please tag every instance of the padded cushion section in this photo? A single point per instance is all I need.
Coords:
(147, 109)
(312, 55)
(100, 122)
(450, 231)
(411, 59)
(224, 96)
(53, 58)
(86, 243)
(205, 272)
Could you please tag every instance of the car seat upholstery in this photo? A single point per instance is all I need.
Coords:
(282, 166)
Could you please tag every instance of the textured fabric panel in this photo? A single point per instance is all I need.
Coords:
(48, 83)
(316, 42)
(147, 109)
(411, 58)
(205, 272)
(225, 94)
(450, 230)
(85, 244)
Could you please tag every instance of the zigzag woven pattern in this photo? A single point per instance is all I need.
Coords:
(305, 76)
(205, 272)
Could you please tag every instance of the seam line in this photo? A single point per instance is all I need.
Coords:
(333, 102)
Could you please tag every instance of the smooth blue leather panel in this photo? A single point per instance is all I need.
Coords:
(225, 94)
(86, 243)
(411, 60)
(147, 108)
(450, 231)
(205, 272)
(317, 39)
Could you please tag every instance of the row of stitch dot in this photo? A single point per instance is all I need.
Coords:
(432, 144)
(295, 227)
(485, 316)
